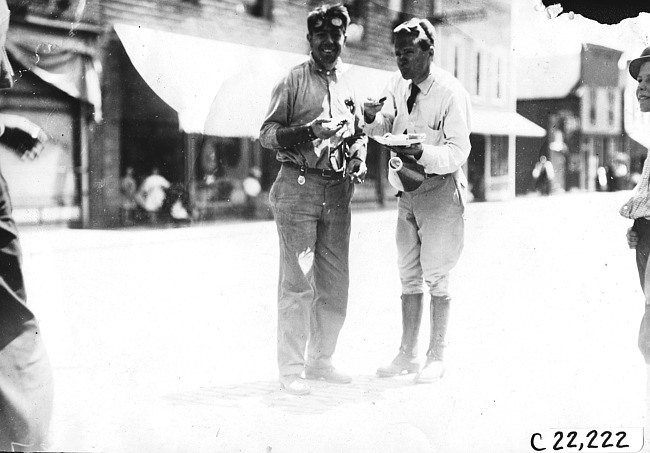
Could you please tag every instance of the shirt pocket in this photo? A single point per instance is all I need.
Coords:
(434, 136)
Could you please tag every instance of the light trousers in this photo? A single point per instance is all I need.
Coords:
(429, 235)
(313, 223)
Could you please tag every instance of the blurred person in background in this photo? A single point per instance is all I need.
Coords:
(543, 175)
(151, 194)
(128, 190)
(312, 122)
(424, 98)
(26, 389)
(637, 207)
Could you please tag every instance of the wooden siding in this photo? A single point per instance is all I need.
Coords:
(225, 20)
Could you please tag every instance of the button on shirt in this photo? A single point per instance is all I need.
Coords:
(442, 111)
(639, 205)
(306, 93)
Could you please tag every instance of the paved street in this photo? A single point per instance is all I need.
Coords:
(164, 340)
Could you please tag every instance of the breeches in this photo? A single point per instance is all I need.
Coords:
(429, 235)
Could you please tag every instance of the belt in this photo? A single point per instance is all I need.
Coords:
(431, 175)
(322, 172)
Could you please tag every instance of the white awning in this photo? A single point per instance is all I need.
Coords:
(217, 88)
(496, 122)
(188, 72)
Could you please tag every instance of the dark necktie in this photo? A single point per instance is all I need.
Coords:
(411, 100)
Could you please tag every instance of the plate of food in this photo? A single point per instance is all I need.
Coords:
(389, 139)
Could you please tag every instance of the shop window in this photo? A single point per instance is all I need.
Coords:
(592, 106)
(498, 155)
(358, 12)
(218, 155)
(457, 60)
(395, 14)
(218, 165)
(258, 8)
(501, 74)
(611, 106)
(476, 82)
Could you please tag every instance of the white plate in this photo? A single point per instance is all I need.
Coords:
(399, 139)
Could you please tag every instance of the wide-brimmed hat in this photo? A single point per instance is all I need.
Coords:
(635, 64)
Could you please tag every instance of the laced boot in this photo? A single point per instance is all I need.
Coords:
(406, 361)
(434, 367)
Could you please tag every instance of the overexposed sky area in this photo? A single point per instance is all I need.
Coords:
(535, 35)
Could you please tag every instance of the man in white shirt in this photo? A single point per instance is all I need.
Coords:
(152, 193)
(423, 98)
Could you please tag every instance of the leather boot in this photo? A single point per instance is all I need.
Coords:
(434, 368)
(406, 361)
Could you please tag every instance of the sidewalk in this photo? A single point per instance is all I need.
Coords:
(164, 340)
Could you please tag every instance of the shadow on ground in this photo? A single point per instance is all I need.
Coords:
(323, 398)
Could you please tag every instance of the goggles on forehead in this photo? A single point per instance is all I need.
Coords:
(415, 26)
(323, 22)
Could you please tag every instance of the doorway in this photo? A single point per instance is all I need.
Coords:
(476, 167)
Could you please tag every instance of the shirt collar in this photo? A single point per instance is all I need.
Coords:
(427, 83)
(316, 67)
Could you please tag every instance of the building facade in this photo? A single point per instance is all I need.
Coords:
(581, 109)
(183, 85)
(478, 52)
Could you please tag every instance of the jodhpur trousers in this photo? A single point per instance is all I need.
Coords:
(313, 222)
(429, 235)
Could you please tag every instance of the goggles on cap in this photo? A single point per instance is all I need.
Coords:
(323, 22)
(415, 26)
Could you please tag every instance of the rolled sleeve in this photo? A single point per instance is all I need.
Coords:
(277, 116)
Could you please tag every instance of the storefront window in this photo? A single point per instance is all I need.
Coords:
(498, 155)
(220, 171)
(592, 106)
(357, 11)
(258, 8)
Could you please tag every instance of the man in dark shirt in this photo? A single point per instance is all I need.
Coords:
(25, 373)
(313, 123)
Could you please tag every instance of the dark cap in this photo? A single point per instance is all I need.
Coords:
(635, 65)
(421, 29)
(328, 16)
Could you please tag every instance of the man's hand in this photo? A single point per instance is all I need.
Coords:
(356, 170)
(371, 108)
(27, 139)
(324, 128)
(632, 238)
